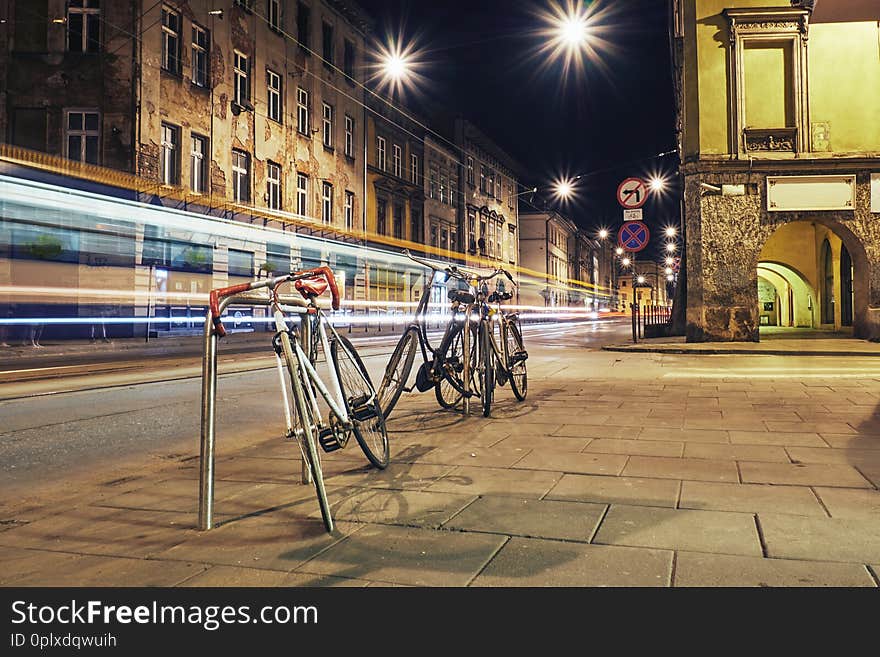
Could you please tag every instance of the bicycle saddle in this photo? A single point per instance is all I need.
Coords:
(503, 296)
(311, 287)
(461, 296)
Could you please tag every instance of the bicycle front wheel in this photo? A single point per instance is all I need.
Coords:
(397, 371)
(306, 425)
(516, 361)
(361, 402)
(487, 370)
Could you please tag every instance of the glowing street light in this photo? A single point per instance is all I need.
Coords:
(670, 231)
(395, 66)
(563, 188)
(641, 280)
(603, 233)
(668, 270)
(670, 260)
(670, 247)
(657, 184)
(618, 251)
(625, 262)
(670, 278)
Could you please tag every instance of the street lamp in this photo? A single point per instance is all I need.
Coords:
(603, 233)
(625, 262)
(670, 246)
(671, 231)
(657, 184)
(563, 188)
(619, 251)
(670, 260)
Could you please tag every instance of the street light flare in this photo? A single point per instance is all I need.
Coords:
(670, 231)
(618, 250)
(670, 247)
(670, 260)
(603, 233)
(641, 280)
(625, 262)
(563, 188)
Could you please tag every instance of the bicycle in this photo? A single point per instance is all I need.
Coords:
(447, 362)
(507, 362)
(350, 397)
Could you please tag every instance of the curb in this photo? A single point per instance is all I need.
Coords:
(716, 351)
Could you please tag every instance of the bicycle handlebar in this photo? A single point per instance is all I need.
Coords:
(451, 270)
(216, 296)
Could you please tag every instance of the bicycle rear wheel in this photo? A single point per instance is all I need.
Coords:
(361, 401)
(397, 371)
(516, 360)
(307, 424)
(487, 369)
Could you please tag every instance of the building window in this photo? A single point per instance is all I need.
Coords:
(349, 136)
(381, 212)
(349, 210)
(482, 179)
(511, 244)
(273, 185)
(397, 160)
(382, 162)
(328, 125)
(327, 203)
(471, 227)
(83, 26)
(302, 194)
(416, 229)
(241, 90)
(453, 191)
(83, 136)
(443, 187)
(414, 169)
(275, 15)
(273, 85)
(241, 176)
(432, 186)
(170, 154)
(348, 59)
(200, 49)
(398, 221)
(170, 40)
(327, 43)
(470, 170)
(198, 164)
(434, 236)
(302, 111)
(302, 24)
(247, 5)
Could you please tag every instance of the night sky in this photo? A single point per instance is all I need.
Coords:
(617, 113)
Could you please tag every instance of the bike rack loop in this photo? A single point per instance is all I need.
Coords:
(208, 439)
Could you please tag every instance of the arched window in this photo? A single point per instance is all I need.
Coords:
(827, 269)
(846, 288)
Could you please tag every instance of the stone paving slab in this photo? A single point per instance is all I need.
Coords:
(802, 474)
(574, 521)
(608, 464)
(397, 476)
(253, 577)
(681, 468)
(470, 480)
(849, 503)
(853, 540)
(750, 498)
(544, 442)
(492, 457)
(399, 507)
(533, 562)
(687, 435)
(602, 431)
(700, 569)
(736, 452)
(772, 438)
(870, 457)
(413, 556)
(616, 490)
(718, 532)
(102, 531)
(636, 447)
(274, 541)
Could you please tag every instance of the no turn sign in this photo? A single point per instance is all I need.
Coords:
(632, 193)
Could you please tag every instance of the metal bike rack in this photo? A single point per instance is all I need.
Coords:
(209, 408)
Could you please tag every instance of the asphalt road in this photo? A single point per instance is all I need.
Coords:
(67, 419)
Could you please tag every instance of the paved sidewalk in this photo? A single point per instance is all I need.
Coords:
(774, 345)
(618, 470)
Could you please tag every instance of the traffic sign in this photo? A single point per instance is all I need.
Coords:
(632, 193)
(676, 264)
(633, 236)
(632, 215)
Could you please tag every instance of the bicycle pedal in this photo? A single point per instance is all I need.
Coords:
(329, 441)
(364, 412)
(360, 400)
(520, 356)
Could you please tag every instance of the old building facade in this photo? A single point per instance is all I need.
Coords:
(442, 195)
(488, 223)
(779, 110)
(248, 102)
(548, 242)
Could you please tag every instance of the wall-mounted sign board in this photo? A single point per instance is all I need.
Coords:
(875, 192)
(795, 193)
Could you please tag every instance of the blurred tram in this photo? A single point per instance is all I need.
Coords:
(77, 259)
